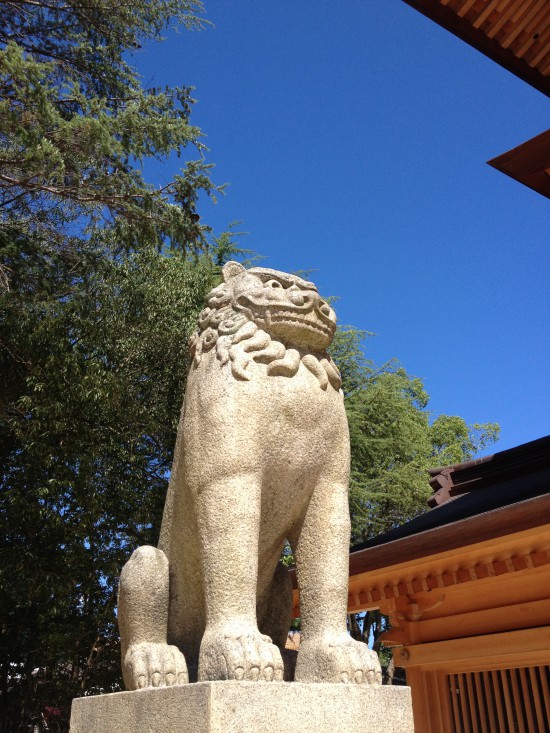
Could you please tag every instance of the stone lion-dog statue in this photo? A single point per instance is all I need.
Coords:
(262, 457)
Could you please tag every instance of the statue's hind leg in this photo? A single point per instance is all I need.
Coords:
(147, 659)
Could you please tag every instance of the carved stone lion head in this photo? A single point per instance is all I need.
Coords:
(267, 317)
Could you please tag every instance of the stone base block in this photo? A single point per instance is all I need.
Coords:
(247, 707)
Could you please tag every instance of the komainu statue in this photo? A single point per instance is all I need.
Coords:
(262, 457)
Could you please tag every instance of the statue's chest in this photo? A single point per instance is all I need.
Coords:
(272, 417)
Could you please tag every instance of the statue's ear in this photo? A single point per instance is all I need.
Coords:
(232, 269)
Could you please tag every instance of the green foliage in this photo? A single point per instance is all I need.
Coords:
(76, 127)
(393, 439)
(93, 364)
(101, 278)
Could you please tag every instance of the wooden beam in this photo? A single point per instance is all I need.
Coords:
(514, 648)
(487, 621)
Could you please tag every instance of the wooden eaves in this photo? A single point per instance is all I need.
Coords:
(478, 507)
(528, 163)
(427, 561)
(514, 33)
(490, 517)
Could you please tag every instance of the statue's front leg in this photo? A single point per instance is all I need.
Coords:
(327, 652)
(228, 517)
(147, 659)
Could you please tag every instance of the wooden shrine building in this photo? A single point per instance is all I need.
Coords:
(467, 589)
(467, 585)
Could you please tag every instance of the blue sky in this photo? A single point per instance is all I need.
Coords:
(354, 137)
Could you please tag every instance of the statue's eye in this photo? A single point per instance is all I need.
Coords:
(273, 284)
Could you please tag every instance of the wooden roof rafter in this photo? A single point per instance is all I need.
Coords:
(514, 33)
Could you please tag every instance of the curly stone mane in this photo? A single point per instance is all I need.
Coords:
(238, 325)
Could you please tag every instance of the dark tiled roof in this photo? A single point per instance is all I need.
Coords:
(468, 489)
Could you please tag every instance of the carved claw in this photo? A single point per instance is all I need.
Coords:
(239, 655)
(340, 659)
(154, 665)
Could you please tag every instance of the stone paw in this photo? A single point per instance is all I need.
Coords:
(154, 665)
(337, 659)
(239, 653)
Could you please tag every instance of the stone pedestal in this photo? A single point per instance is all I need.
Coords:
(247, 707)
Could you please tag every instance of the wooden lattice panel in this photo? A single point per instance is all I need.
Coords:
(513, 700)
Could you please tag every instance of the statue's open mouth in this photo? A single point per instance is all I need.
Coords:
(310, 321)
(301, 327)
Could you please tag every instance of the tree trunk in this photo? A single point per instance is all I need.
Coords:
(389, 672)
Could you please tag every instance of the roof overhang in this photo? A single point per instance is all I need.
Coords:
(529, 163)
(408, 565)
(504, 543)
(519, 517)
(514, 33)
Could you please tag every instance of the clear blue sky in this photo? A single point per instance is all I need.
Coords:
(354, 138)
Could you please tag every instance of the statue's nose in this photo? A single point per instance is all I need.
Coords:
(296, 296)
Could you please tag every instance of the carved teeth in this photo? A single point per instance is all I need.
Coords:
(286, 317)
